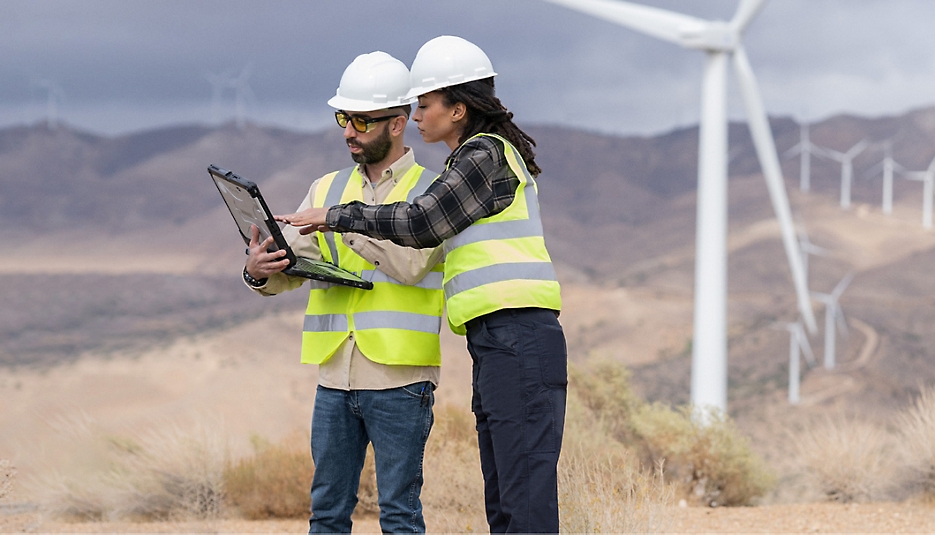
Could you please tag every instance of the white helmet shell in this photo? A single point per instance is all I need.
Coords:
(373, 81)
(445, 61)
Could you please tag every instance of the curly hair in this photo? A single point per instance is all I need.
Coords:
(485, 114)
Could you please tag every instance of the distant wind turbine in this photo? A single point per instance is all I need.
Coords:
(218, 82)
(54, 96)
(847, 168)
(808, 249)
(805, 149)
(798, 344)
(927, 178)
(888, 166)
(243, 93)
(722, 43)
(834, 315)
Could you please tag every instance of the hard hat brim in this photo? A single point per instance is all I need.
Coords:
(417, 92)
(349, 104)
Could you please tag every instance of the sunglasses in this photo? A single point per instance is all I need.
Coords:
(361, 124)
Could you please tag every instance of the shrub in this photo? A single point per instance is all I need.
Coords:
(916, 430)
(705, 454)
(272, 483)
(847, 460)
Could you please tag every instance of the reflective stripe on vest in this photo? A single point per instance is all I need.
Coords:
(394, 323)
(333, 198)
(501, 261)
(431, 281)
(384, 319)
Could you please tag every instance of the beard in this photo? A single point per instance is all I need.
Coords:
(372, 152)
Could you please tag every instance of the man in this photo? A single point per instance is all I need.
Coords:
(378, 350)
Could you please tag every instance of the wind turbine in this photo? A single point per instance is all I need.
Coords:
(847, 168)
(721, 42)
(798, 344)
(833, 315)
(218, 83)
(888, 165)
(242, 94)
(927, 178)
(808, 248)
(805, 149)
(54, 96)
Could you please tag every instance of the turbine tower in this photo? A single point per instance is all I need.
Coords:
(847, 169)
(798, 344)
(218, 83)
(721, 42)
(243, 93)
(808, 248)
(927, 178)
(54, 97)
(833, 315)
(805, 149)
(888, 166)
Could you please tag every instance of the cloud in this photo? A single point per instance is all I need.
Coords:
(147, 60)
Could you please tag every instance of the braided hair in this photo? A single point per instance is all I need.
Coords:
(485, 114)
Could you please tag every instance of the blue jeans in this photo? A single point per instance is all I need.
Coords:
(520, 381)
(397, 421)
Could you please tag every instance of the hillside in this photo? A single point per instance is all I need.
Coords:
(121, 242)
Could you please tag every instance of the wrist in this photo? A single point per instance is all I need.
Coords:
(250, 280)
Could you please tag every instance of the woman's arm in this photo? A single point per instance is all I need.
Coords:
(478, 183)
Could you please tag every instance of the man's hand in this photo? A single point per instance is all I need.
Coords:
(311, 220)
(260, 263)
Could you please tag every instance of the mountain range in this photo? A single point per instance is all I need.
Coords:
(117, 241)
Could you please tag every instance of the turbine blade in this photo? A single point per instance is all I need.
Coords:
(842, 285)
(659, 23)
(769, 161)
(746, 11)
(858, 148)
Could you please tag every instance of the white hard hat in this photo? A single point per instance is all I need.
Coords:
(371, 82)
(447, 60)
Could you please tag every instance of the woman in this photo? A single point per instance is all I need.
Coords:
(499, 281)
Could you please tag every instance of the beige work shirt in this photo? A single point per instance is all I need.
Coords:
(349, 368)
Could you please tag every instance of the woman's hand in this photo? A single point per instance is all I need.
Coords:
(310, 220)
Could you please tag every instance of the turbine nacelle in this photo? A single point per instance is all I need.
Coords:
(716, 36)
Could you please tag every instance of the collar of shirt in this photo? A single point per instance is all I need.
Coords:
(396, 169)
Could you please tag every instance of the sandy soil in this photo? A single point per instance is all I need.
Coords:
(796, 518)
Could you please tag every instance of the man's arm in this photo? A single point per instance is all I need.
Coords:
(405, 264)
(270, 266)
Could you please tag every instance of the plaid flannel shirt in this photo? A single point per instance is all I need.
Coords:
(477, 183)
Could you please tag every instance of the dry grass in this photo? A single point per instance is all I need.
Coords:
(847, 460)
(453, 494)
(274, 482)
(916, 433)
(170, 473)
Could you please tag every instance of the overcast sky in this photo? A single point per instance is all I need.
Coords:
(125, 66)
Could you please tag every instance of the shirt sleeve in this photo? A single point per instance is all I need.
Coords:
(306, 246)
(477, 184)
(405, 264)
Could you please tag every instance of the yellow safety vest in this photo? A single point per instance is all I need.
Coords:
(501, 261)
(394, 323)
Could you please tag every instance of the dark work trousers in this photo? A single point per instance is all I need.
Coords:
(520, 381)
